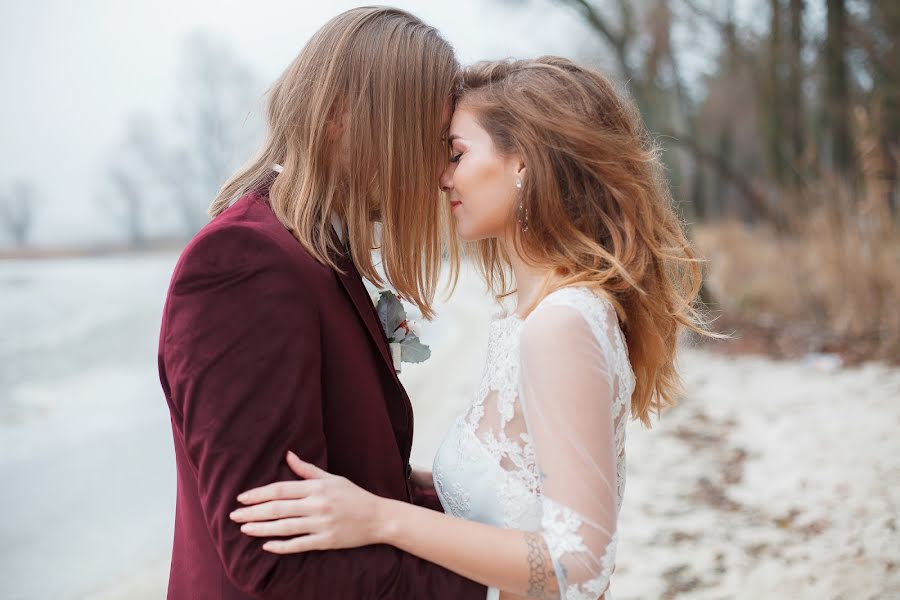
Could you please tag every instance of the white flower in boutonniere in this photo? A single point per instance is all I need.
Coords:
(402, 332)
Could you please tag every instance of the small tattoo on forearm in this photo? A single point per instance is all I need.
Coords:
(541, 579)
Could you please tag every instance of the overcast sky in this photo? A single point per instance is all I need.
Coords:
(74, 72)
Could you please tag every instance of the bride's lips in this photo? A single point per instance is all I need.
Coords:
(454, 204)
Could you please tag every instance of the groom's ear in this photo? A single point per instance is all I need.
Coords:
(338, 123)
(338, 128)
(338, 120)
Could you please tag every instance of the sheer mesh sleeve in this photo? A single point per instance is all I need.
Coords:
(567, 389)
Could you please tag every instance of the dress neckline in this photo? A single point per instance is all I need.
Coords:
(513, 316)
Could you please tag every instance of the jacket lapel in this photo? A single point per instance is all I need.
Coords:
(353, 284)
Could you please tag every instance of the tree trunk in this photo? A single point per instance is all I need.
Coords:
(886, 13)
(837, 102)
(774, 94)
(795, 104)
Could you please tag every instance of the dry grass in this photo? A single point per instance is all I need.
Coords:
(831, 283)
(162, 244)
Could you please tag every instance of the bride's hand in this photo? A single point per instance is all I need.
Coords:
(324, 511)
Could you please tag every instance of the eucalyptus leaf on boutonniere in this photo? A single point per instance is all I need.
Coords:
(402, 332)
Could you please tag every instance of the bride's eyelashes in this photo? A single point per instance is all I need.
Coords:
(454, 157)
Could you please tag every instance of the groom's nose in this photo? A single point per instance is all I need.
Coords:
(446, 179)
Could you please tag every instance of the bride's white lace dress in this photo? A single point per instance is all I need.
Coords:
(542, 447)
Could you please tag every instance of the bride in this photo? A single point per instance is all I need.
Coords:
(552, 179)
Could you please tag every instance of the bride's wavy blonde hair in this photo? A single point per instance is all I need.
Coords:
(597, 206)
(382, 78)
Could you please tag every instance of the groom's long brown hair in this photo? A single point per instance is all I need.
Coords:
(382, 78)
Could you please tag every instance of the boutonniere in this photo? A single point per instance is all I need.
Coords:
(402, 332)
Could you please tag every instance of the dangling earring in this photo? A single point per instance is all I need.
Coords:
(522, 207)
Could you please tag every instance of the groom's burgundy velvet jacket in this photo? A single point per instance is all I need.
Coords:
(264, 350)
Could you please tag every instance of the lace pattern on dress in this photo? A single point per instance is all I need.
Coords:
(493, 429)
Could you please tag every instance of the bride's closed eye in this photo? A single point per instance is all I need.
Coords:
(455, 156)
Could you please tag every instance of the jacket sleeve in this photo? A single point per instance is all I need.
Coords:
(426, 498)
(241, 356)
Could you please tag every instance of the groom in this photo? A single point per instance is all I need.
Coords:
(269, 340)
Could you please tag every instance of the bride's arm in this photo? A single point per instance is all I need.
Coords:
(514, 561)
(567, 396)
(330, 512)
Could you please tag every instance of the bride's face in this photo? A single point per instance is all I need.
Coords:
(479, 181)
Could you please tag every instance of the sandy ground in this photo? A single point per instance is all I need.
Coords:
(769, 480)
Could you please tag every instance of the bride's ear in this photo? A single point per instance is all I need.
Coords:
(520, 170)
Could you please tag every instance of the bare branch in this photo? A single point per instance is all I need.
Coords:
(596, 22)
(743, 185)
(619, 40)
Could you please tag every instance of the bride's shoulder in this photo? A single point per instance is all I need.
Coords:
(570, 310)
(593, 305)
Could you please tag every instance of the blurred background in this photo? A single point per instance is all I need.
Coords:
(777, 476)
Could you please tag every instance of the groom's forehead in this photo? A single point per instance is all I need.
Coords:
(446, 114)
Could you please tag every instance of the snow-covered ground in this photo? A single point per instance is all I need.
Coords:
(86, 462)
(770, 480)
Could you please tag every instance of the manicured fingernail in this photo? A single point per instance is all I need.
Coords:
(248, 527)
(235, 514)
(243, 497)
(268, 546)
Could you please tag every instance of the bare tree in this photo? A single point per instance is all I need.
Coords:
(172, 169)
(774, 94)
(214, 115)
(795, 103)
(17, 206)
(620, 38)
(125, 200)
(837, 89)
(878, 35)
(664, 102)
(186, 161)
